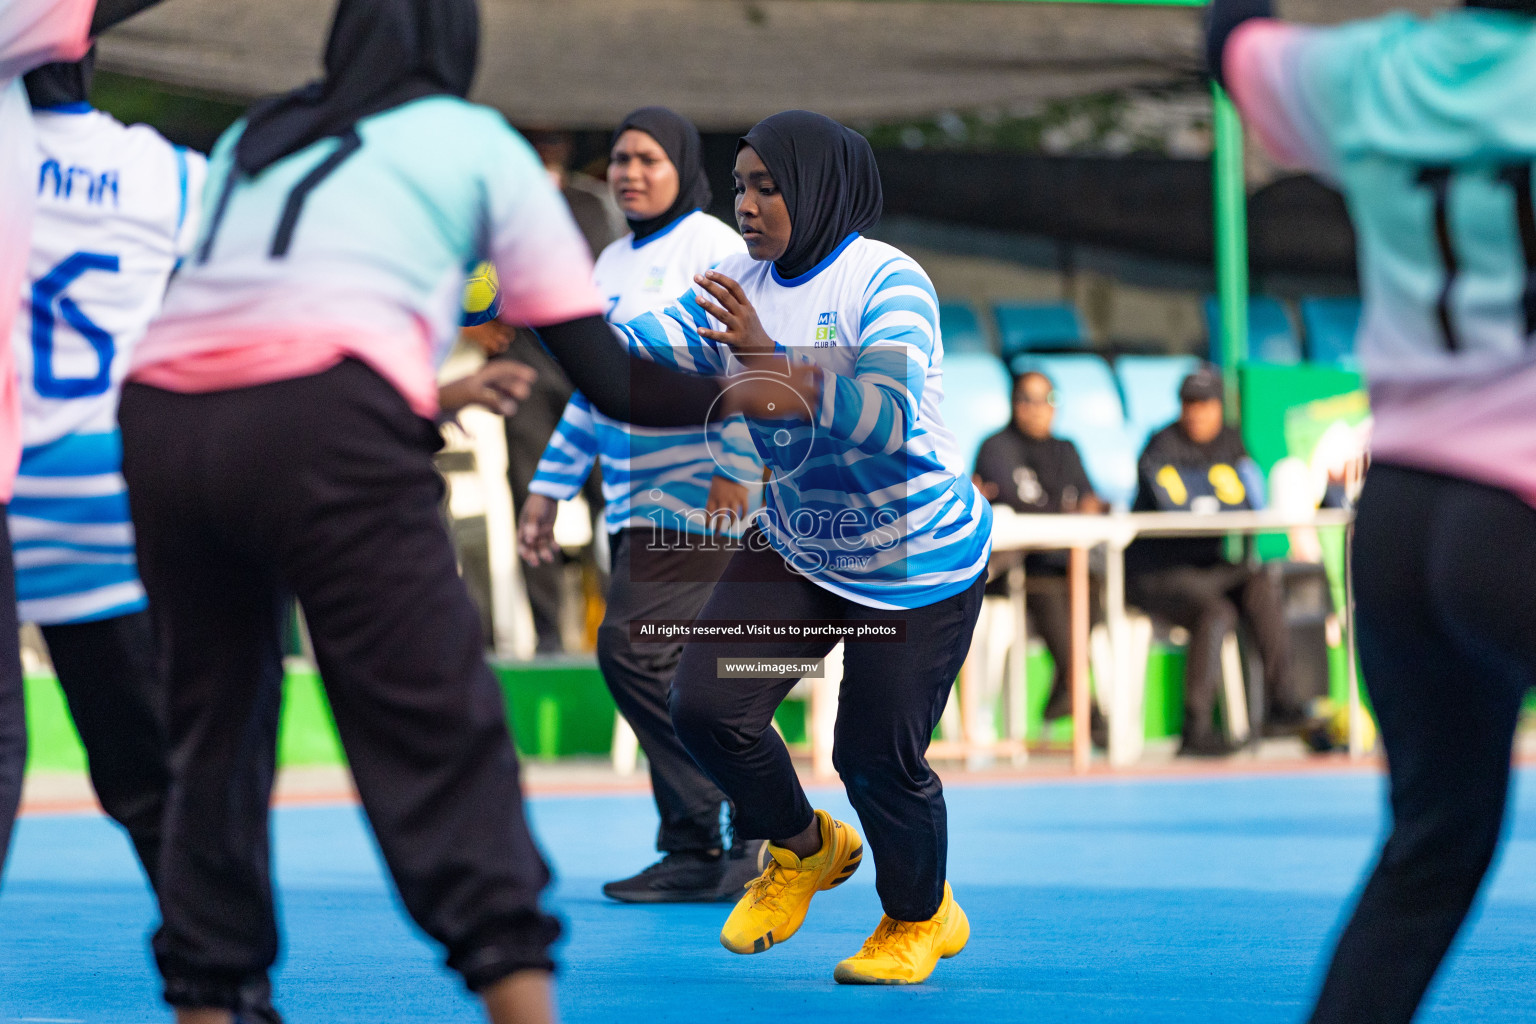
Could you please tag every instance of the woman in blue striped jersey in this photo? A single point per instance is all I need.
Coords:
(870, 525)
(669, 493)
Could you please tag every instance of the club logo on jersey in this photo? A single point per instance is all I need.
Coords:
(656, 280)
(826, 330)
(94, 187)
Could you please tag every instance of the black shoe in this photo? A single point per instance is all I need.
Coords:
(688, 876)
(1098, 729)
(743, 862)
(1060, 706)
(1285, 723)
(1205, 746)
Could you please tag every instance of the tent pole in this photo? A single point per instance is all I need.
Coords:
(1231, 197)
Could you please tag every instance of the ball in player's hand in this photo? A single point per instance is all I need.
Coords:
(482, 296)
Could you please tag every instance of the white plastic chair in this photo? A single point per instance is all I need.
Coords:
(821, 715)
(1233, 694)
(989, 662)
(821, 722)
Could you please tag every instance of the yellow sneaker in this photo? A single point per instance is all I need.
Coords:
(776, 901)
(906, 952)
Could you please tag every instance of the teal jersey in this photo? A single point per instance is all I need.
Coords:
(358, 246)
(1429, 128)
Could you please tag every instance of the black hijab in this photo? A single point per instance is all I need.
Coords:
(675, 134)
(381, 54)
(59, 85)
(828, 176)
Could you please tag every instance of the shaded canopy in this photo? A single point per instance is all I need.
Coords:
(724, 63)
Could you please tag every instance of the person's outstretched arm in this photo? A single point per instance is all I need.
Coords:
(38, 32)
(625, 387)
(111, 12)
(570, 454)
(1222, 20)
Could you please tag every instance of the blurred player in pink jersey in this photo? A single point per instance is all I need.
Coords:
(32, 33)
(1429, 128)
(278, 440)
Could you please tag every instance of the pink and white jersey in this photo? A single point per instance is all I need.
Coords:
(38, 32)
(1427, 127)
(359, 246)
(32, 33)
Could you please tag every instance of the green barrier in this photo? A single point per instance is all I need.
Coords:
(306, 735)
(556, 708)
(1285, 410)
(562, 708)
(52, 743)
(1270, 394)
(1163, 701)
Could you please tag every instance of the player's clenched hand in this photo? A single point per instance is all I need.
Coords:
(536, 530)
(743, 332)
(492, 338)
(498, 386)
(728, 497)
(792, 393)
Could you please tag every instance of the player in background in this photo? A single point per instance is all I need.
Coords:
(869, 519)
(32, 33)
(278, 431)
(671, 496)
(1429, 127)
(117, 208)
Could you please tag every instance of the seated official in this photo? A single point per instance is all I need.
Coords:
(1026, 468)
(1200, 464)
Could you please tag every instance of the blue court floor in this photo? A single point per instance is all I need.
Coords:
(1148, 900)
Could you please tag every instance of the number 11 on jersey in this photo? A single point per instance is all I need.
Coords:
(1440, 180)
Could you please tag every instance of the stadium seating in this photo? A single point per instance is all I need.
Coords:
(1089, 413)
(1331, 324)
(1150, 385)
(977, 400)
(1026, 326)
(961, 328)
(1271, 335)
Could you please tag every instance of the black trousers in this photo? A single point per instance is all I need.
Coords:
(111, 676)
(13, 711)
(321, 486)
(661, 578)
(1050, 609)
(1447, 634)
(1209, 601)
(891, 699)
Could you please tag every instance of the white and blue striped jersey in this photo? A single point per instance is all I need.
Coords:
(652, 477)
(116, 208)
(867, 496)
